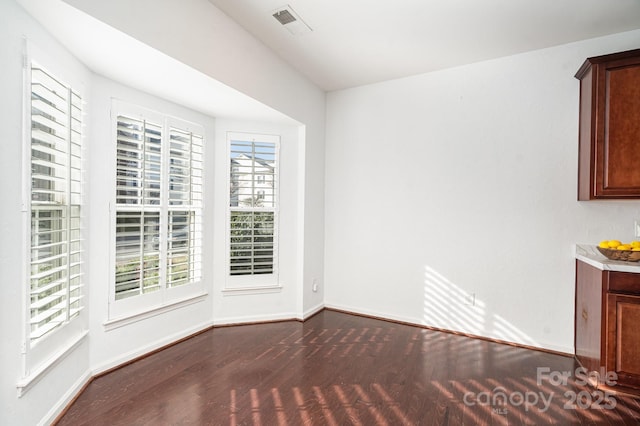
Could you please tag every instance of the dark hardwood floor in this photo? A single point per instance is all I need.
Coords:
(340, 369)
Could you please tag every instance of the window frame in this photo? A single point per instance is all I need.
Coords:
(253, 282)
(43, 353)
(121, 311)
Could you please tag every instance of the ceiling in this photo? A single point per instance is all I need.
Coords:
(178, 82)
(356, 42)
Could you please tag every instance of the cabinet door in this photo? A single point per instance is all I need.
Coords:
(618, 128)
(623, 338)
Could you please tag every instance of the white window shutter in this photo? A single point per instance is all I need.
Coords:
(158, 207)
(253, 207)
(56, 246)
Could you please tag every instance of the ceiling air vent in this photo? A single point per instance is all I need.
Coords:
(290, 20)
(284, 17)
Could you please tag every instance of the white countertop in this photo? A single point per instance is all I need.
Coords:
(590, 254)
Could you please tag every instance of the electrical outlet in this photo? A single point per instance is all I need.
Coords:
(470, 299)
(636, 228)
(314, 285)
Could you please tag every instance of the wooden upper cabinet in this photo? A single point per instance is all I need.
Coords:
(609, 151)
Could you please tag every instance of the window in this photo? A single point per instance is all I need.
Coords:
(55, 276)
(253, 208)
(158, 224)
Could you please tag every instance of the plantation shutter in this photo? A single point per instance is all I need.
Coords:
(139, 162)
(158, 207)
(138, 185)
(253, 203)
(56, 246)
(185, 201)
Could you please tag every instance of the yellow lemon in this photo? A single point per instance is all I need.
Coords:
(614, 243)
(635, 249)
(604, 244)
(635, 244)
(624, 247)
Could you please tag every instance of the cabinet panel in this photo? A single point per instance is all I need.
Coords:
(587, 146)
(623, 338)
(622, 128)
(624, 282)
(588, 316)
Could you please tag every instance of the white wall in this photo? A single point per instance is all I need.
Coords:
(218, 47)
(462, 182)
(302, 159)
(59, 384)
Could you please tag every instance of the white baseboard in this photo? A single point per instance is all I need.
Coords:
(414, 321)
(66, 399)
(268, 318)
(124, 358)
(311, 311)
(248, 319)
(372, 313)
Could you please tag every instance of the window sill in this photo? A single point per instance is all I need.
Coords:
(32, 378)
(112, 324)
(237, 291)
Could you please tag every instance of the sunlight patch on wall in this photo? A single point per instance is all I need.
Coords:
(450, 307)
(511, 333)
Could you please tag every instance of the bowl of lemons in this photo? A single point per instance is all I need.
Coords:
(617, 250)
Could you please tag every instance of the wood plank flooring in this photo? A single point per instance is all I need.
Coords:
(340, 369)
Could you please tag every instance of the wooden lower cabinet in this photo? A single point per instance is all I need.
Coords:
(607, 323)
(623, 338)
